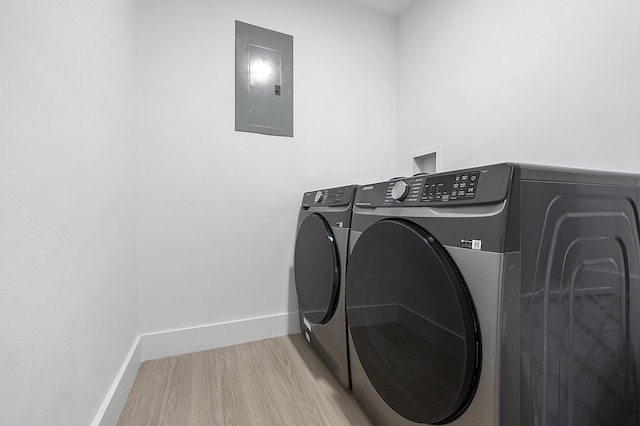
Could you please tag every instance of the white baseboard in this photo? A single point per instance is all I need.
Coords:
(176, 342)
(112, 405)
(182, 341)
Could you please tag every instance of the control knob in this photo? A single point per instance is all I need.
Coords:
(400, 190)
(319, 197)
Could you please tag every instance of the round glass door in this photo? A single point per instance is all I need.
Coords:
(412, 322)
(316, 270)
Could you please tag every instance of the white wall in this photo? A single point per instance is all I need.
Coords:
(218, 208)
(543, 82)
(67, 206)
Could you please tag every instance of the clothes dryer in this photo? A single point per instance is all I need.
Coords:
(319, 271)
(499, 295)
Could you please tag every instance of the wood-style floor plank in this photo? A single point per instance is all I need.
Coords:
(277, 381)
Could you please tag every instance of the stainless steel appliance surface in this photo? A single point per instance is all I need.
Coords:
(320, 261)
(505, 295)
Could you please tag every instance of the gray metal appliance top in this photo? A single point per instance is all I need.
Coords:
(575, 175)
(478, 185)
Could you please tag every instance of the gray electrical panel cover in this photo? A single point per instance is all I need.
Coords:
(264, 81)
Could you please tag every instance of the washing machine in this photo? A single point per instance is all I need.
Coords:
(505, 295)
(320, 261)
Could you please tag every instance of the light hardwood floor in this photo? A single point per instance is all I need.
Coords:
(277, 381)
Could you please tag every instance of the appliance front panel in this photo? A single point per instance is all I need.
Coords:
(412, 322)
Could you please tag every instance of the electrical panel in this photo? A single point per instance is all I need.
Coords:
(264, 81)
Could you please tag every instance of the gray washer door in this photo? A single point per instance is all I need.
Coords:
(412, 322)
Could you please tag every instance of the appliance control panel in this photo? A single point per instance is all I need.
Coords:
(480, 185)
(454, 187)
(339, 196)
